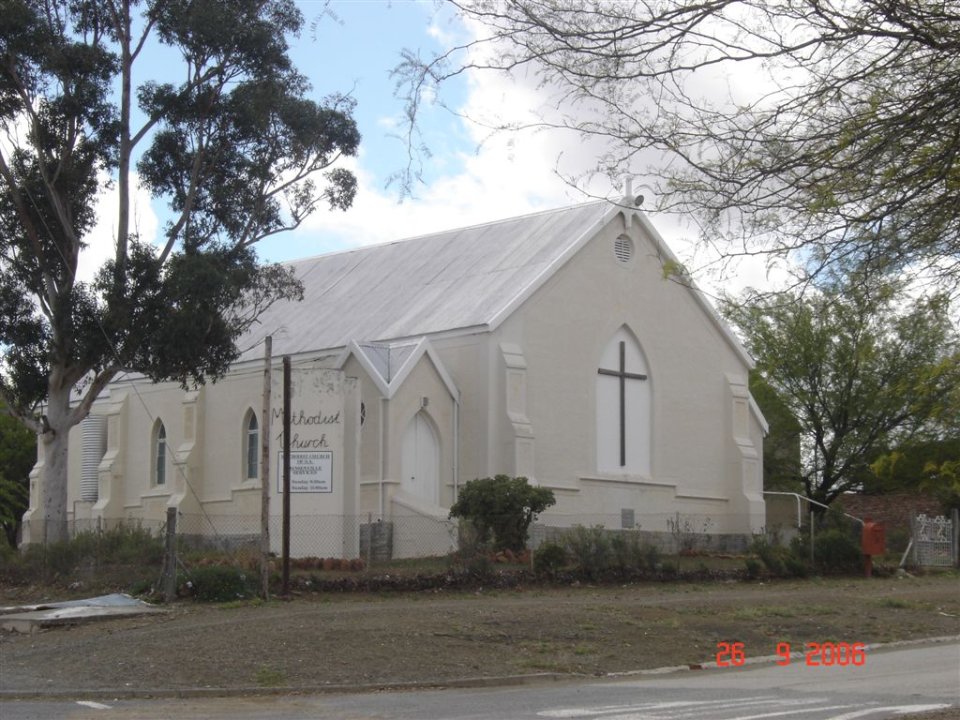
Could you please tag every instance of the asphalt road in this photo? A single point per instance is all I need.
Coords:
(891, 683)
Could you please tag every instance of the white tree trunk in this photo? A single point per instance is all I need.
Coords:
(53, 483)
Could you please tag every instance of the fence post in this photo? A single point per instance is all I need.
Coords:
(170, 558)
(265, 471)
(813, 559)
(369, 538)
(914, 540)
(955, 536)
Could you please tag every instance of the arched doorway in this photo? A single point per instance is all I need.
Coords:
(420, 459)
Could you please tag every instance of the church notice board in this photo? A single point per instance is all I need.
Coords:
(311, 471)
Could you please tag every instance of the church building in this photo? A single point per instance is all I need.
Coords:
(549, 346)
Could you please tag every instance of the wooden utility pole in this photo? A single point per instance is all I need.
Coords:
(265, 471)
(170, 558)
(286, 475)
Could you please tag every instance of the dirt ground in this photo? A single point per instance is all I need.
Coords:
(362, 640)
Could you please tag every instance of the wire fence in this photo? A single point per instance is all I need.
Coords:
(377, 540)
(130, 547)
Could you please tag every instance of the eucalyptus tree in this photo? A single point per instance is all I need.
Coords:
(783, 125)
(234, 148)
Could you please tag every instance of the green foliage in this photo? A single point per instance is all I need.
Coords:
(754, 567)
(501, 509)
(597, 552)
(857, 368)
(781, 445)
(776, 560)
(236, 150)
(772, 556)
(218, 583)
(127, 546)
(549, 559)
(18, 454)
(836, 551)
(270, 677)
(473, 553)
(590, 549)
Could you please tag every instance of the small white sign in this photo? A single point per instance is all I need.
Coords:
(311, 471)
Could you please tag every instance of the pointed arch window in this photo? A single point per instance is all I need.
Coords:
(160, 455)
(251, 445)
(623, 407)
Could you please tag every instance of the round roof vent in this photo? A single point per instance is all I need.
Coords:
(623, 249)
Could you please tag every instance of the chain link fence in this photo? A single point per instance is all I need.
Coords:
(372, 539)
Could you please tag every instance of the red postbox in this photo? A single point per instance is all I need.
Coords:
(873, 541)
(874, 538)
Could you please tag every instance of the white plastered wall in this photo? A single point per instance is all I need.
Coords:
(562, 329)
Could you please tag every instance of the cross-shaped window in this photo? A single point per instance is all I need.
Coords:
(623, 408)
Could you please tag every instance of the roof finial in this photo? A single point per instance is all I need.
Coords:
(629, 197)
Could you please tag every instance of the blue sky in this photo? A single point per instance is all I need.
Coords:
(471, 175)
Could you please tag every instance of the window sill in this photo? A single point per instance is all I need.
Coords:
(161, 491)
(251, 484)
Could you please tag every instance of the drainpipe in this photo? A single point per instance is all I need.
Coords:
(383, 451)
(456, 447)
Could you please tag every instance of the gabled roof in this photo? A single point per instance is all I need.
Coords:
(389, 364)
(464, 279)
(451, 280)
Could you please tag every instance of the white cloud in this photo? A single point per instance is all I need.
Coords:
(101, 240)
(510, 172)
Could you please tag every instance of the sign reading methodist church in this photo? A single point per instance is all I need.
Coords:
(316, 434)
(311, 471)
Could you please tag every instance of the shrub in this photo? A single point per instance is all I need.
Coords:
(501, 509)
(219, 583)
(651, 557)
(590, 549)
(549, 559)
(777, 560)
(770, 555)
(627, 551)
(837, 552)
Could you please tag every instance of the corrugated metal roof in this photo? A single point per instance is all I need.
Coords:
(446, 281)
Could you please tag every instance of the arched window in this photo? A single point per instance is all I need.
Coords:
(623, 407)
(160, 455)
(252, 447)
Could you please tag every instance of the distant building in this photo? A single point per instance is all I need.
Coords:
(548, 346)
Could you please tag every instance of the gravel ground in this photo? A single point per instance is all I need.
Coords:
(317, 641)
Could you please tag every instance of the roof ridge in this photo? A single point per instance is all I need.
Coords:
(458, 228)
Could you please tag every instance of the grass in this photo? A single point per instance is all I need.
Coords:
(894, 603)
(270, 677)
(763, 611)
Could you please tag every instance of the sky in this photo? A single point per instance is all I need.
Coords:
(471, 176)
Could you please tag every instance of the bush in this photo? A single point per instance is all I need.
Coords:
(130, 546)
(627, 552)
(218, 583)
(549, 559)
(836, 551)
(590, 549)
(596, 551)
(777, 560)
(501, 509)
(472, 556)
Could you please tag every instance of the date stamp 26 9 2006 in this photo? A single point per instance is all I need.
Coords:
(825, 654)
